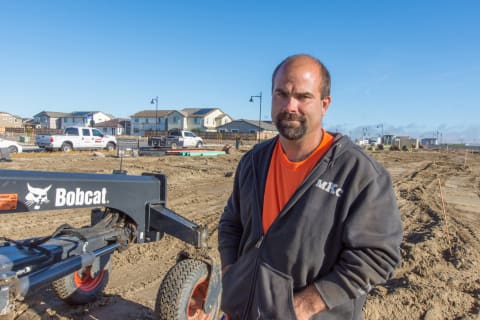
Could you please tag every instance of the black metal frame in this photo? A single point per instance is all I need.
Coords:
(140, 201)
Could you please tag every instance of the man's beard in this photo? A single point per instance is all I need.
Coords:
(288, 130)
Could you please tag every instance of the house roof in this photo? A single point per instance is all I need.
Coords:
(265, 125)
(52, 114)
(153, 113)
(81, 114)
(197, 112)
(9, 114)
(113, 123)
(74, 114)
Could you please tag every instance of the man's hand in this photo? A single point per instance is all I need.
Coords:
(308, 302)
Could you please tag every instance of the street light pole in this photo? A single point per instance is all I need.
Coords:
(260, 115)
(381, 126)
(155, 100)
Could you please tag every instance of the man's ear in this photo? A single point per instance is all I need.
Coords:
(325, 104)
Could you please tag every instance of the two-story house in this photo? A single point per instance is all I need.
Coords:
(8, 120)
(193, 119)
(49, 119)
(205, 119)
(149, 120)
(61, 120)
(83, 119)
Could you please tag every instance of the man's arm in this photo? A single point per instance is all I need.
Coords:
(230, 227)
(371, 240)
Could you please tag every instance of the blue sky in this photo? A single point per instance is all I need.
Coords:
(412, 66)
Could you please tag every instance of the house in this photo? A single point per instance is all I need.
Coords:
(204, 119)
(49, 119)
(151, 120)
(83, 118)
(115, 127)
(192, 119)
(8, 120)
(263, 130)
(61, 120)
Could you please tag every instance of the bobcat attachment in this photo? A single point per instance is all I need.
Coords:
(125, 209)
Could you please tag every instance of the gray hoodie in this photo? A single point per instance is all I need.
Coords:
(341, 231)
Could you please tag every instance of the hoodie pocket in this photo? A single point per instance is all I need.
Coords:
(273, 295)
(237, 285)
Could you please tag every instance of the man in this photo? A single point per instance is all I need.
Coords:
(312, 223)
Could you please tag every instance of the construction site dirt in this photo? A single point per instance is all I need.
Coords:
(438, 195)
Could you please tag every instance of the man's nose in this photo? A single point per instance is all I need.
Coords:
(290, 104)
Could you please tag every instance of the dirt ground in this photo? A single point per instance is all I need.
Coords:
(439, 277)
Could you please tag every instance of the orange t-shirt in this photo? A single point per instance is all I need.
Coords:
(284, 177)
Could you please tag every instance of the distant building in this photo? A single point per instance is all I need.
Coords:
(115, 127)
(8, 120)
(154, 120)
(248, 126)
(205, 119)
(405, 141)
(429, 142)
(61, 120)
(243, 127)
(192, 119)
(388, 139)
(83, 118)
(49, 119)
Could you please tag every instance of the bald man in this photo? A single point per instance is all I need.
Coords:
(312, 223)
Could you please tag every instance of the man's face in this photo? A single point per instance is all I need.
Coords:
(297, 105)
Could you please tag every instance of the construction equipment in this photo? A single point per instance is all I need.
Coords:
(76, 261)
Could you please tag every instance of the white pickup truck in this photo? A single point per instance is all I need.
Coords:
(177, 139)
(77, 138)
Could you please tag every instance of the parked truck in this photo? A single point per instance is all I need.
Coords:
(77, 138)
(177, 138)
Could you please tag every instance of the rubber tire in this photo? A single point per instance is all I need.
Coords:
(66, 147)
(110, 146)
(199, 145)
(71, 292)
(12, 149)
(177, 288)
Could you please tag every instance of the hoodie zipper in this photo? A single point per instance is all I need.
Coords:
(258, 244)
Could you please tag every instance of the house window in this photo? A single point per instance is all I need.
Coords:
(197, 121)
(253, 131)
(136, 120)
(235, 130)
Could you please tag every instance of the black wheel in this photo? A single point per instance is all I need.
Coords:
(86, 285)
(12, 149)
(183, 292)
(199, 144)
(110, 146)
(66, 147)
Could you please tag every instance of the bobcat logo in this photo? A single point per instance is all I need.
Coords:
(36, 196)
